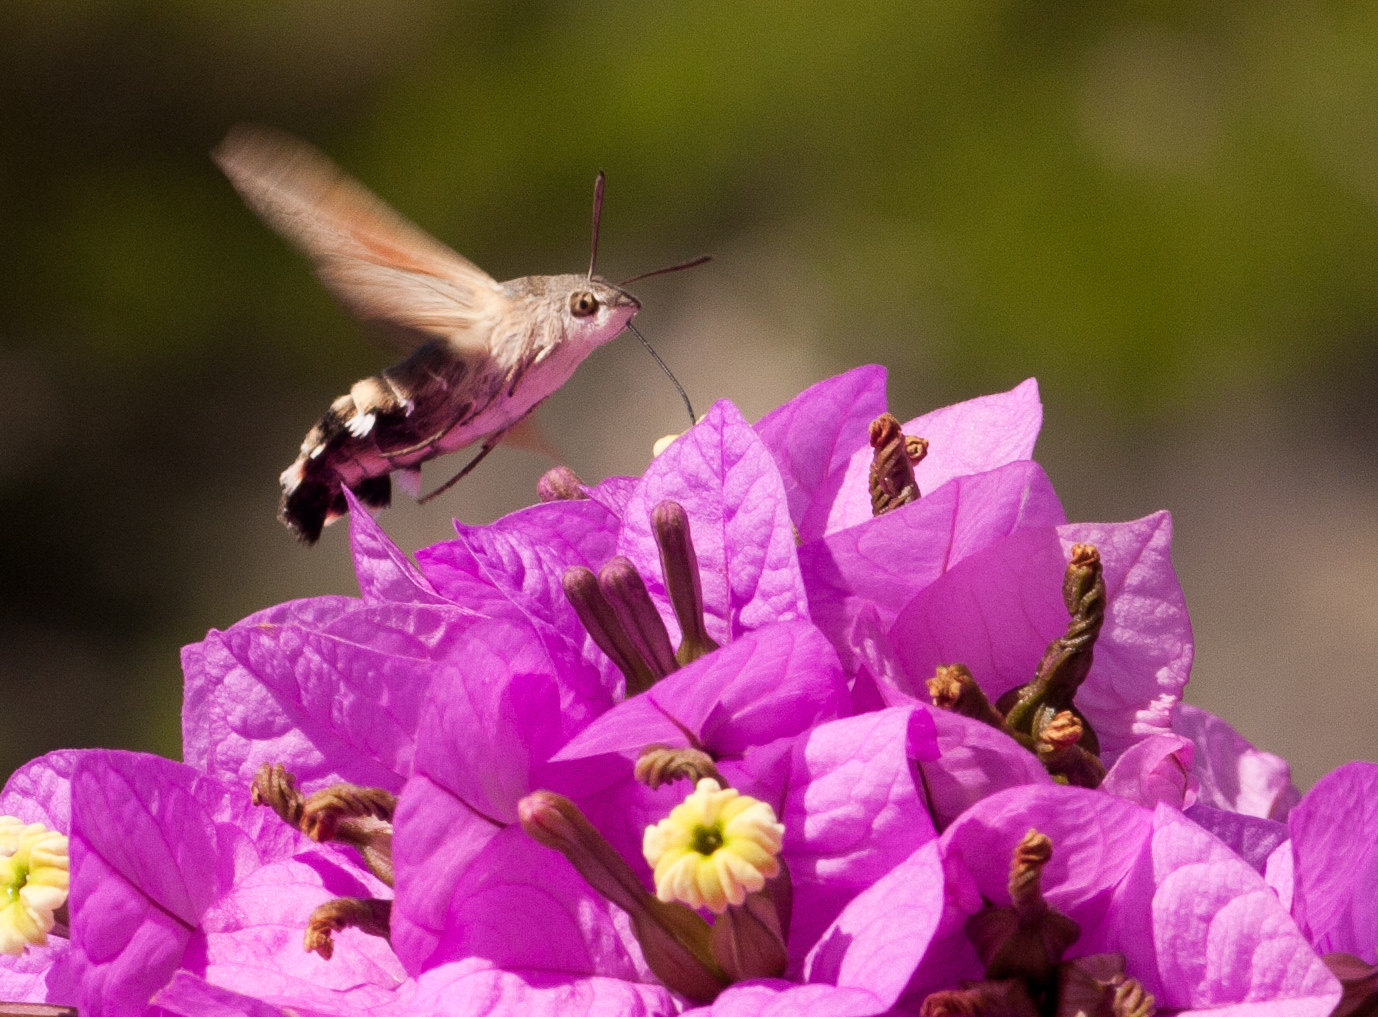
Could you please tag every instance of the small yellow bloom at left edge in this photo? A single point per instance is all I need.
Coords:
(34, 880)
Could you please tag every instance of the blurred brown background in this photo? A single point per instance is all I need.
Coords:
(1167, 212)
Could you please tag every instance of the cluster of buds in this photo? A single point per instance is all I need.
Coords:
(587, 803)
(358, 816)
(1042, 714)
(618, 613)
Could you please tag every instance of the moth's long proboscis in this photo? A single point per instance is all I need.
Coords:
(693, 419)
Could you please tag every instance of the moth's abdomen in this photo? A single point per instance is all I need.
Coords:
(317, 501)
(415, 411)
(313, 486)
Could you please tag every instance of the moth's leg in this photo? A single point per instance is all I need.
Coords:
(393, 453)
(488, 446)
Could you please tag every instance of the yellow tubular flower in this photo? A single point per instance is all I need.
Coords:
(714, 848)
(33, 883)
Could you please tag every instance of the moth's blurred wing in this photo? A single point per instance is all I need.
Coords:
(529, 436)
(386, 270)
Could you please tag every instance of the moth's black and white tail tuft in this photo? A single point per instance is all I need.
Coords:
(312, 489)
(317, 501)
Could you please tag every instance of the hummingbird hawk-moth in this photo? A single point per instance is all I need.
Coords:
(483, 354)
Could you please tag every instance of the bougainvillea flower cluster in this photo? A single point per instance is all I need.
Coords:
(832, 714)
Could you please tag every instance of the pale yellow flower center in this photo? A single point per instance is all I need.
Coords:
(714, 848)
(33, 883)
(661, 444)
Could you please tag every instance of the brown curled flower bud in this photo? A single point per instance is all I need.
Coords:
(1096, 986)
(1007, 998)
(363, 913)
(326, 815)
(1027, 939)
(892, 480)
(1059, 750)
(1063, 731)
(276, 788)
(1133, 1000)
(1026, 874)
(356, 815)
(916, 449)
(953, 688)
(659, 765)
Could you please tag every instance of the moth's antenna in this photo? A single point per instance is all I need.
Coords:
(597, 216)
(702, 259)
(668, 373)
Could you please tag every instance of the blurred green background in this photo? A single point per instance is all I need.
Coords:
(1168, 212)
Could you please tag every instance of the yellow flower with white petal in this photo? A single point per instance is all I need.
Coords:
(714, 848)
(34, 877)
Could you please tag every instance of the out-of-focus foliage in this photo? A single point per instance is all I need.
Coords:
(1152, 198)
(1147, 204)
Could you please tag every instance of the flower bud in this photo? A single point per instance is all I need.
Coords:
(659, 764)
(953, 688)
(1096, 986)
(560, 483)
(892, 465)
(673, 938)
(367, 914)
(680, 564)
(356, 815)
(602, 623)
(1027, 939)
(748, 941)
(1058, 749)
(626, 594)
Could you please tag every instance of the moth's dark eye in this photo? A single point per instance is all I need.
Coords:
(582, 304)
